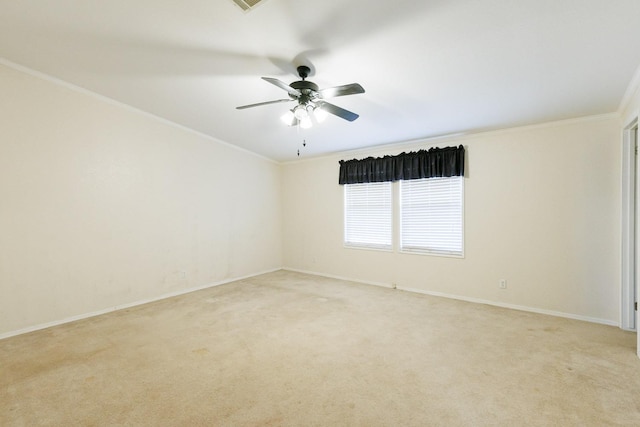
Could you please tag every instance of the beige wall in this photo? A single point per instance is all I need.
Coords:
(542, 210)
(102, 206)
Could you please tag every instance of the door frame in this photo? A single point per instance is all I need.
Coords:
(628, 318)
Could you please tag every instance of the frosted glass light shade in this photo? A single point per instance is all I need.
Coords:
(306, 123)
(320, 114)
(288, 118)
(300, 112)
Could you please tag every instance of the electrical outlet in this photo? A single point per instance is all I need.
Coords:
(503, 284)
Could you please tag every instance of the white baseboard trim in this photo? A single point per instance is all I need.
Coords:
(467, 299)
(331, 276)
(127, 305)
(514, 307)
(315, 273)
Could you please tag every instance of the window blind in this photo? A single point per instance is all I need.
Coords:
(431, 215)
(368, 215)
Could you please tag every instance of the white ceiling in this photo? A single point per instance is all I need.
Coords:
(429, 67)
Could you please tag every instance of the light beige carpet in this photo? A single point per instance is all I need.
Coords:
(287, 349)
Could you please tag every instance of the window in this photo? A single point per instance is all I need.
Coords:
(430, 211)
(431, 215)
(368, 215)
(428, 205)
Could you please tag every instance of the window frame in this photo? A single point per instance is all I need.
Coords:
(392, 214)
(395, 198)
(431, 251)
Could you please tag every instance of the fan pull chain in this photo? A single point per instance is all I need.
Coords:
(304, 144)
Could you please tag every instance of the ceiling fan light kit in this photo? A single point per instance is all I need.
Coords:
(311, 100)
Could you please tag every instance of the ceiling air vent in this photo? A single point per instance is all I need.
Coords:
(247, 5)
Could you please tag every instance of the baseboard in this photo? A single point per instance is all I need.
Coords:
(331, 276)
(315, 273)
(514, 306)
(467, 299)
(128, 305)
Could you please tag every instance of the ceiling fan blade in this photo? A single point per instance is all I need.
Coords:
(242, 107)
(332, 92)
(337, 111)
(283, 85)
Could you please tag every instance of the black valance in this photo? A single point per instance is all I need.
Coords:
(435, 162)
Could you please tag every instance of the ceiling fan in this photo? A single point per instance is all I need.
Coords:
(311, 100)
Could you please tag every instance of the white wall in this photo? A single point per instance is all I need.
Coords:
(101, 206)
(542, 210)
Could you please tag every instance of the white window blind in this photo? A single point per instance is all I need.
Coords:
(431, 215)
(368, 215)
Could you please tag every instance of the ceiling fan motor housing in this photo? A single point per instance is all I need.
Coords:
(309, 90)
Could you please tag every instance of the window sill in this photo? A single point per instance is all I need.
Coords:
(368, 248)
(432, 253)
